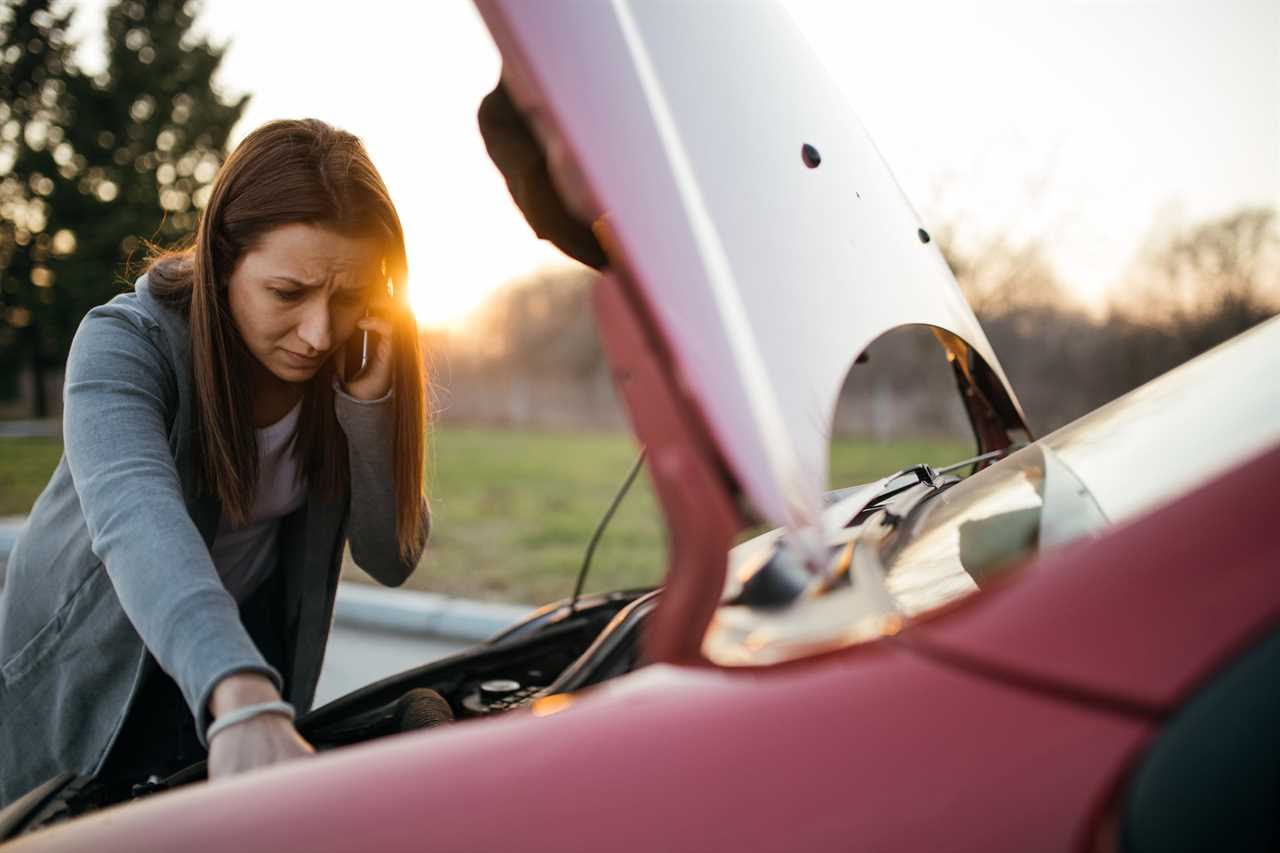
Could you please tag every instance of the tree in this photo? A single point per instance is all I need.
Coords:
(1000, 276)
(542, 325)
(99, 165)
(1228, 267)
(35, 76)
(1195, 286)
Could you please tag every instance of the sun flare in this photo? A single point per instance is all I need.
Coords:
(442, 308)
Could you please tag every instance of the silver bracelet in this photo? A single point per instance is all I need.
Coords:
(248, 712)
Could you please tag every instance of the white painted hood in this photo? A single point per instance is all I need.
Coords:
(766, 277)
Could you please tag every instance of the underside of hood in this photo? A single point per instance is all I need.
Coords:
(766, 237)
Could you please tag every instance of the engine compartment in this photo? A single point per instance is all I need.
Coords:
(555, 650)
(563, 647)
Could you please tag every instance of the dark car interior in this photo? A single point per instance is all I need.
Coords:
(1211, 779)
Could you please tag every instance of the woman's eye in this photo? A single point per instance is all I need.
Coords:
(288, 295)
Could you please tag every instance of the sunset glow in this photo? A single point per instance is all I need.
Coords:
(1077, 125)
(444, 296)
(444, 307)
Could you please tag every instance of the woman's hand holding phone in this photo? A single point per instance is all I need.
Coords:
(373, 381)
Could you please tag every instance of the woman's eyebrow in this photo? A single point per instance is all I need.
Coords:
(359, 288)
(291, 280)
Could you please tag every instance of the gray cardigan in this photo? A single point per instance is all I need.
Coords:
(112, 572)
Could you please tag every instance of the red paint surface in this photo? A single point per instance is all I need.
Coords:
(873, 749)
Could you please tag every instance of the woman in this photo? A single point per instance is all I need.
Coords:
(175, 580)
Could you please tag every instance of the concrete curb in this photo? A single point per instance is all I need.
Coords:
(409, 611)
(49, 428)
(403, 611)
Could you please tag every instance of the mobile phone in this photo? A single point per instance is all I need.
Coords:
(356, 354)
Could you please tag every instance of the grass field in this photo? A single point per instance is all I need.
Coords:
(512, 511)
(25, 466)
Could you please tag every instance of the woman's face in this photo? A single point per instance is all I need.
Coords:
(296, 296)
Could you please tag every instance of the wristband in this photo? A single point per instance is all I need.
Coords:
(248, 712)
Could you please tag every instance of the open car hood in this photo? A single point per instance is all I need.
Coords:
(764, 273)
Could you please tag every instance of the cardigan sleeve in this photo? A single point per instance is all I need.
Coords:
(368, 426)
(117, 448)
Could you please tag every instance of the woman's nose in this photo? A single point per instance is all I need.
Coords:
(315, 329)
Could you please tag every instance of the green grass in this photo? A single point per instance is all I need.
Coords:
(512, 511)
(25, 466)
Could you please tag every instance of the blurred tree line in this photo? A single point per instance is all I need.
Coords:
(92, 164)
(1191, 288)
(531, 357)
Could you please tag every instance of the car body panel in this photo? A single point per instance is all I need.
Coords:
(766, 277)
(1143, 614)
(878, 750)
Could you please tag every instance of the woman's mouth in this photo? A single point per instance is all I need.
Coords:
(302, 360)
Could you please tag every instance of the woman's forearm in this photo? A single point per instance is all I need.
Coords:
(117, 397)
(371, 527)
(241, 689)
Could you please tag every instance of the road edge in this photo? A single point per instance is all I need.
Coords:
(359, 605)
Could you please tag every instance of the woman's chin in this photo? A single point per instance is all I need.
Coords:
(295, 373)
(291, 367)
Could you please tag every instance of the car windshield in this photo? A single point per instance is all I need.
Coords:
(961, 537)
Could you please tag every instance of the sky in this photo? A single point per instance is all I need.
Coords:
(1078, 124)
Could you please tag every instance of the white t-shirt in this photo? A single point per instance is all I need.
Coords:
(246, 556)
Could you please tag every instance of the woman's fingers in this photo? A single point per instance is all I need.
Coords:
(374, 381)
(376, 324)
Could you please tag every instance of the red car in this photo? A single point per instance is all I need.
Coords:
(1074, 647)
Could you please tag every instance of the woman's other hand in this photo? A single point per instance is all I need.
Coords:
(258, 741)
(374, 381)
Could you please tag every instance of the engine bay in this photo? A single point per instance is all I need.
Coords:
(563, 647)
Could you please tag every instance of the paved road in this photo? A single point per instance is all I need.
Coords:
(355, 657)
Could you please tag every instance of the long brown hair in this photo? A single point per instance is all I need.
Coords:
(301, 171)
